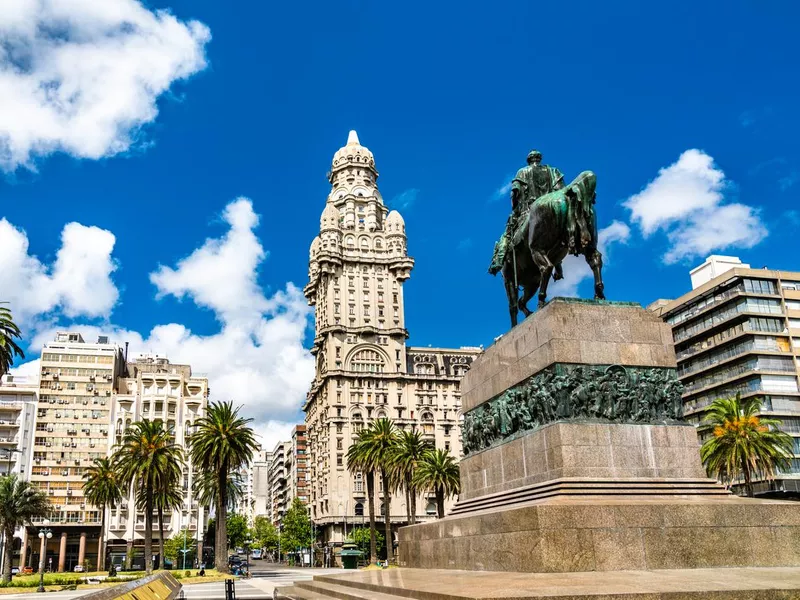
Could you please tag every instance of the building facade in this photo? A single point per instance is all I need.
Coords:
(357, 267)
(280, 488)
(18, 404)
(262, 492)
(298, 469)
(153, 388)
(76, 386)
(738, 331)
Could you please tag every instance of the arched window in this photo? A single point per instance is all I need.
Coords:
(358, 485)
(426, 416)
(367, 361)
(378, 244)
(423, 369)
(430, 509)
(383, 509)
(359, 509)
(350, 242)
(460, 370)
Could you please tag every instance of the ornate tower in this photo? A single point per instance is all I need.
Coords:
(357, 267)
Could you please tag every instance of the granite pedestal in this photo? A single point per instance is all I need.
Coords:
(571, 505)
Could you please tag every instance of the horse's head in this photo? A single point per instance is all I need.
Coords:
(586, 183)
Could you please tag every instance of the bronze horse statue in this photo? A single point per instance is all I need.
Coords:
(557, 223)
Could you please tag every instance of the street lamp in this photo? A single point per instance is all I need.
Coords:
(44, 535)
(247, 544)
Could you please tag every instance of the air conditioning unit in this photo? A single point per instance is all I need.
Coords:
(89, 387)
(83, 506)
(91, 378)
(65, 472)
(77, 461)
(48, 444)
(52, 400)
(85, 402)
(55, 376)
(69, 492)
(108, 392)
(58, 461)
(50, 430)
(108, 377)
(92, 445)
(58, 387)
(38, 461)
(74, 445)
(57, 506)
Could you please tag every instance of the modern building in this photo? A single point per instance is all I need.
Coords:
(357, 267)
(738, 331)
(262, 492)
(298, 469)
(153, 388)
(279, 481)
(18, 404)
(73, 420)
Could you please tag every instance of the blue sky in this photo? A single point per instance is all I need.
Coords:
(142, 129)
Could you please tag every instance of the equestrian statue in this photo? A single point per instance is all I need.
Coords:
(548, 221)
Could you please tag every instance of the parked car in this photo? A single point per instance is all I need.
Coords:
(14, 571)
(256, 555)
(79, 569)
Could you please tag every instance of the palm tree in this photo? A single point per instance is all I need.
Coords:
(205, 488)
(743, 445)
(380, 441)
(8, 347)
(145, 459)
(20, 503)
(168, 495)
(102, 486)
(221, 444)
(438, 472)
(358, 462)
(405, 457)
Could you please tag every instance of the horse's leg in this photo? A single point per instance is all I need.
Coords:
(512, 293)
(595, 261)
(545, 270)
(527, 293)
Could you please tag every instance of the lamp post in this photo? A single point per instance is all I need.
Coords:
(247, 544)
(44, 535)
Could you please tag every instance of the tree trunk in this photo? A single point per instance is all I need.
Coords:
(440, 501)
(148, 532)
(408, 505)
(373, 553)
(748, 485)
(412, 500)
(387, 519)
(101, 562)
(161, 537)
(221, 537)
(7, 558)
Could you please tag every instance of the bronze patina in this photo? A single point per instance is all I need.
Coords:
(548, 221)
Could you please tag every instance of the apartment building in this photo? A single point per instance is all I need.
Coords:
(76, 386)
(262, 492)
(18, 404)
(358, 266)
(279, 481)
(153, 388)
(738, 331)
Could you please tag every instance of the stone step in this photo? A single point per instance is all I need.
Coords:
(341, 590)
(635, 487)
(435, 584)
(293, 592)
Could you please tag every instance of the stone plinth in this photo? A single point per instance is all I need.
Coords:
(555, 489)
(584, 451)
(569, 331)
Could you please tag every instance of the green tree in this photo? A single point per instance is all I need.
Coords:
(265, 534)
(169, 495)
(438, 472)
(404, 458)
(144, 460)
(173, 548)
(359, 461)
(8, 347)
(237, 530)
(743, 445)
(362, 538)
(20, 503)
(381, 441)
(296, 527)
(221, 444)
(102, 487)
(205, 488)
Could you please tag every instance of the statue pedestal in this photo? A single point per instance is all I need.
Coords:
(587, 493)
(579, 481)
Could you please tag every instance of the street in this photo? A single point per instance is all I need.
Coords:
(266, 577)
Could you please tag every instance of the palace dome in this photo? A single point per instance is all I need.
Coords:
(353, 154)
(395, 223)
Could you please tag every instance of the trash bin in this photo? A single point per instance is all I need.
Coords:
(350, 556)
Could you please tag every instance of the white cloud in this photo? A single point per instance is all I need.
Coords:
(576, 270)
(686, 201)
(406, 199)
(233, 259)
(257, 357)
(77, 284)
(83, 76)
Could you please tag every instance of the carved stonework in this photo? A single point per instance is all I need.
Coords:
(565, 392)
